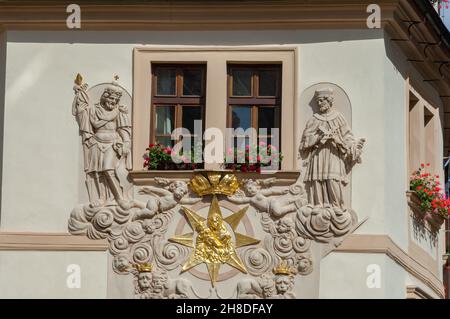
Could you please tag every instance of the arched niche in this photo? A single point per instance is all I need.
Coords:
(308, 106)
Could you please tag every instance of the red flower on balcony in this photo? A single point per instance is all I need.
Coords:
(426, 186)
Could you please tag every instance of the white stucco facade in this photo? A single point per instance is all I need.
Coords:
(42, 171)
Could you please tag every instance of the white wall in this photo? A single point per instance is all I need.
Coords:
(42, 166)
(345, 276)
(43, 274)
(2, 99)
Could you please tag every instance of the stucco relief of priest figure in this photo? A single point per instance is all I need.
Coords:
(330, 150)
(105, 129)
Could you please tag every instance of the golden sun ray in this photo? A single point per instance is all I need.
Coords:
(212, 242)
(213, 270)
(237, 263)
(234, 219)
(193, 218)
(243, 240)
(214, 208)
(185, 240)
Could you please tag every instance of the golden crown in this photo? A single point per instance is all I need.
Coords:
(283, 269)
(145, 267)
(214, 183)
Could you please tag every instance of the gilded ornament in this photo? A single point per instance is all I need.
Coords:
(212, 241)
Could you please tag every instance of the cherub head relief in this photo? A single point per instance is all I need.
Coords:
(149, 225)
(121, 263)
(285, 225)
(179, 189)
(251, 187)
(304, 264)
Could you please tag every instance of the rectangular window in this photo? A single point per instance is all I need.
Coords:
(422, 135)
(254, 99)
(171, 84)
(178, 99)
(415, 133)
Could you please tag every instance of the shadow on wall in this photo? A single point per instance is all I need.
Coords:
(408, 69)
(2, 106)
(245, 37)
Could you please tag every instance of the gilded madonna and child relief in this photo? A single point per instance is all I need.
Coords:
(255, 234)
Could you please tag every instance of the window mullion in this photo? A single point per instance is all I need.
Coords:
(255, 83)
(178, 118)
(152, 123)
(255, 122)
(178, 82)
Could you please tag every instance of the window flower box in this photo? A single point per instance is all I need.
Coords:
(426, 199)
(254, 158)
(159, 157)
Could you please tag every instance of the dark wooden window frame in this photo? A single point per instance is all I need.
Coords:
(255, 101)
(178, 100)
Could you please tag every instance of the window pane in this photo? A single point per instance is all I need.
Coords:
(241, 142)
(242, 82)
(241, 117)
(267, 140)
(267, 83)
(267, 118)
(192, 82)
(164, 119)
(165, 81)
(164, 140)
(190, 114)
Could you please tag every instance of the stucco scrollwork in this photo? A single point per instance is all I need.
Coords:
(169, 255)
(258, 260)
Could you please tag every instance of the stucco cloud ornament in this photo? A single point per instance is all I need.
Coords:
(286, 244)
(322, 224)
(258, 260)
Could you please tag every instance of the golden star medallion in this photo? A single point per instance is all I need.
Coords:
(213, 244)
